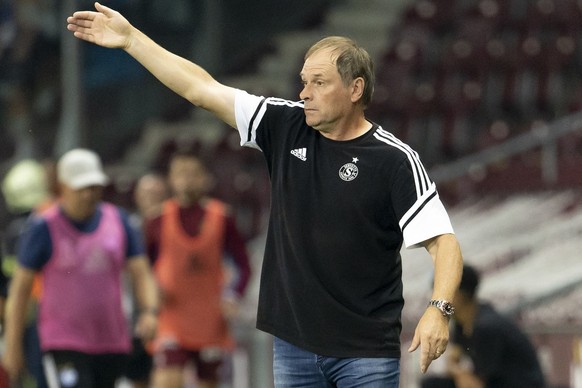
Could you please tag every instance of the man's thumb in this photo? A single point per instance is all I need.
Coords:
(103, 9)
(414, 344)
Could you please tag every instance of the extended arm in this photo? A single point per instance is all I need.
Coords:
(108, 28)
(16, 312)
(432, 331)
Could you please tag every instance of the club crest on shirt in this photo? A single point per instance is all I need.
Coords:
(349, 171)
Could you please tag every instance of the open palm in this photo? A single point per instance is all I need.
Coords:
(106, 27)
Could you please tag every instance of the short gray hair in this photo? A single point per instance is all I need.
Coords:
(352, 62)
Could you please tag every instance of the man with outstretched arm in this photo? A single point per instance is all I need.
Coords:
(346, 194)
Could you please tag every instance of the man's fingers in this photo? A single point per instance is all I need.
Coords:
(424, 362)
(104, 9)
(428, 356)
(78, 23)
(83, 35)
(428, 352)
(414, 344)
(438, 351)
(83, 15)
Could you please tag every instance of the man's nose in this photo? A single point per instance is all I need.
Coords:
(304, 94)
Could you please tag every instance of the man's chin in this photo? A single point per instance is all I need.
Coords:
(313, 124)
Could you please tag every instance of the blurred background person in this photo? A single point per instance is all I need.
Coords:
(488, 349)
(190, 241)
(26, 189)
(151, 190)
(80, 245)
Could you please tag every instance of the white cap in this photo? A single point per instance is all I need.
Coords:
(80, 168)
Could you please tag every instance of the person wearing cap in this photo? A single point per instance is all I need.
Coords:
(80, 245)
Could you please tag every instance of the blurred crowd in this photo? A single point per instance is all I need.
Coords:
(194, 249)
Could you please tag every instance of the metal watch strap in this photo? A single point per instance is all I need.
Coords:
(444, 306)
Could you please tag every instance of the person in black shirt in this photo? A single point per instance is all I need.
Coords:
(346, 195)
(500, 354)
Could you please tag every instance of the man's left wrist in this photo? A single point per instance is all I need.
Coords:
(445, 307)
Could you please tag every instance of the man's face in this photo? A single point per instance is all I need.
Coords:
(80, 204)
(327, 99)
(188, 179)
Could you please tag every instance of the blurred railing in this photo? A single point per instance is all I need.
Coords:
(543, 136)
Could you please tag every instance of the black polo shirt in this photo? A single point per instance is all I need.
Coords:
(340, 211)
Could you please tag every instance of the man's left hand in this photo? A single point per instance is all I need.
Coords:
(432, 335)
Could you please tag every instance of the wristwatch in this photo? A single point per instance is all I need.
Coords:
(446, 307)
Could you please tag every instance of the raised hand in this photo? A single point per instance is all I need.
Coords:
(106, 27)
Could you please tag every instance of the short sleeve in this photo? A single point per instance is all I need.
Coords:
(135, 241)
(249, 110)
(34, 247)
(417, 204)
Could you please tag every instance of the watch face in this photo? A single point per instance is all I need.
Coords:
(448, 309)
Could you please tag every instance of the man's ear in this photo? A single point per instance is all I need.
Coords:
(357, 89)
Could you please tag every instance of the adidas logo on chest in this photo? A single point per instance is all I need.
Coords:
(300, 153)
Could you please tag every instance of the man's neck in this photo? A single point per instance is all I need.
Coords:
(349, 129)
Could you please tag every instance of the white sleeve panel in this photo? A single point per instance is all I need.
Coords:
(430, 221)
(248, 110)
